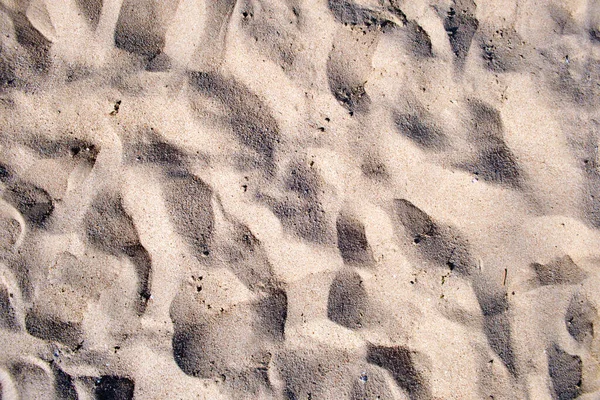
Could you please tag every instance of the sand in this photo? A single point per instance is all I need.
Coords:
(299, 199)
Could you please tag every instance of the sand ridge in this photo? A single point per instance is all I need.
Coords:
(299, 199)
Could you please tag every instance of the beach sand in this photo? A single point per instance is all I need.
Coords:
(299, 199)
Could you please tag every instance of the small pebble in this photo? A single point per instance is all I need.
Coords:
(363, 377)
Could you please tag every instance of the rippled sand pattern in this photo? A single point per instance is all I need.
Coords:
(299, 199)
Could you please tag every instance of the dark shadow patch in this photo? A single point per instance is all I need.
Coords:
(75, 72)
(496, 325)
(589, 165)
(492, 382)
(425, 135)
(161, 153)
(33, 41)
(561, 271)
(48, 148)
(69, 148)
(142, 262)
(351, 95)
(188, 201)
(22, 273)
(248, 115)
(110, 387)
(349, 63)
(187, 356)
(111, 229)
(10, 230)
(159, 63)
(565, 373)
(347, 302)
(494, 163)
(51, 329)
(486, 120)
(64, 387)
(299, 207)
(444, 246)
(275, 36)
(92, 10)
(418, 40)
(84, 151)
(352, 241)
(563, 19)
(399, 361)
(579, 319)
(203, 350)
(503, 50)
(460, 25)
(303, 181)
(349, 13)
(155, 151)
(374, 169)
(31, 381)
(436, 243)
(573, 79)
(246, 258)
(136, 31)
(591, 201)
(5, 174)
(9, 77)
(272, 314)
(306, 219)
(34, 203)
(8, 316)
(497, 164)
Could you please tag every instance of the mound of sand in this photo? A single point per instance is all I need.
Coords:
(299, 199)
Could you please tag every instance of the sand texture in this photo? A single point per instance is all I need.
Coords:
(299, 199)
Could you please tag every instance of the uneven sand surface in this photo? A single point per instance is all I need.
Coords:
(299, 199)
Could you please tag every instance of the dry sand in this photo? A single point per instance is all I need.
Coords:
(299, 199)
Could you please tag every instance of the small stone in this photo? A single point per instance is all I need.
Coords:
(364, 377)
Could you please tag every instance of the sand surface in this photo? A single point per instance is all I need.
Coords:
(299, 199)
